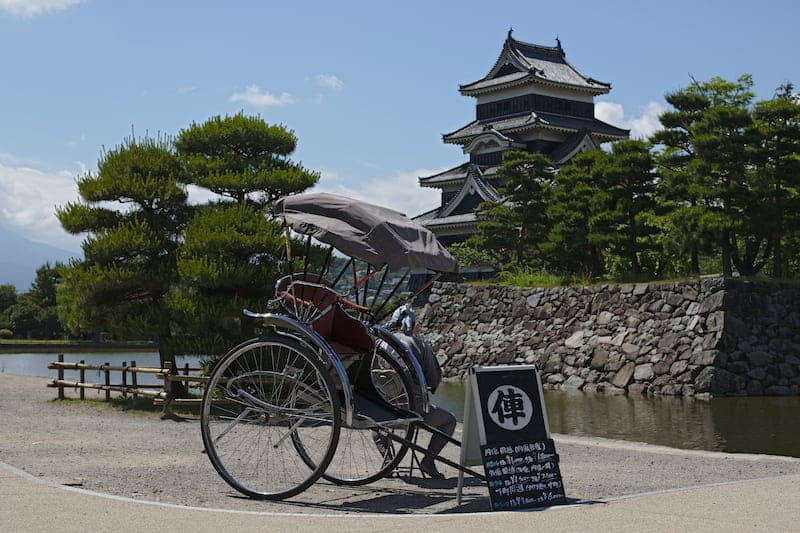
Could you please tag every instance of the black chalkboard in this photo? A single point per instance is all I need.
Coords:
(518, 455)
(511, 405)
(522, 475)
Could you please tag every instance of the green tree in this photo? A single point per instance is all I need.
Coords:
(778, 163)
(45, 283)
(708, 162)
(517, 226)
(8, 297)
(679, 185)
(231, 251)
(470, 254)
(243, 159)
(130, 252)
(627, 192)
(24, 318)
(574, 243)
(36, 314)
(31, 320)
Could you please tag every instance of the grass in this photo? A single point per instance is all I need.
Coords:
(528, 277)
(141, 405)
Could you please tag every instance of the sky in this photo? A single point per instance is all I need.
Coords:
(368, 87)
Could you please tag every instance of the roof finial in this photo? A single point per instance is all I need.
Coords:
(558, 42)
(510, 31)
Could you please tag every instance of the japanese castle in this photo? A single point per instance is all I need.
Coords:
(532, 99)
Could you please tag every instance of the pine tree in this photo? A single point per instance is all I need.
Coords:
(628, 190)
(705, 170)
(574, 243)
(778, 124)
(230, 258)
(130, 250)
(516, 227)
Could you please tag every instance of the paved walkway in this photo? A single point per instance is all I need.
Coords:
(28, 503)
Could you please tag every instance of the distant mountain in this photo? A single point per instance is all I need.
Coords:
(20, 258)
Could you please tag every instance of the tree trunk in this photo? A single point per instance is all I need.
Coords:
(727, 269)
(694, 262)
(636, 269)
(777, 259)
(598, 265)
(166, 353)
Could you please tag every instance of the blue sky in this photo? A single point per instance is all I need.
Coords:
(368, 87)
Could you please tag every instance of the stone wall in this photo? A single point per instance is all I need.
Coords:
(709, 337)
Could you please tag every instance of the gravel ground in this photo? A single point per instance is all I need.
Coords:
(137, 454)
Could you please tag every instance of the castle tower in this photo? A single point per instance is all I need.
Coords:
(532, 99)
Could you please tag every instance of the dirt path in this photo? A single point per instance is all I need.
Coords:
(139, 455)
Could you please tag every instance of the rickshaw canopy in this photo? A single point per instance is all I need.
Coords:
(368, 232)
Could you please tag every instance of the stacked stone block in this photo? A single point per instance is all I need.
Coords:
(694, 338)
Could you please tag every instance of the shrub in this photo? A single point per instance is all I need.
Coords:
(6, 333)
(527, 277)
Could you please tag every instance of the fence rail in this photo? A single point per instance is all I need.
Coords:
(129, 382)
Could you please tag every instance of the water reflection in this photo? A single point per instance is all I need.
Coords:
(35, 364)
(751, 425)
(747, 425)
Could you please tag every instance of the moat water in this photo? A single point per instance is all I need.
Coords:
(765, 425)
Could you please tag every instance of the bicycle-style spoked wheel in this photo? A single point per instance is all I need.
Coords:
(258, 397)
(363, 455)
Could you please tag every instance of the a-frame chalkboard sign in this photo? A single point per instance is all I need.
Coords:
(506, 430)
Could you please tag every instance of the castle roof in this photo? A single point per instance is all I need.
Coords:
(530, 121)
(456, 211)
(456, 175)
(521, 63)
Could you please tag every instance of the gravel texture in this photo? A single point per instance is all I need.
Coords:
(137, 454)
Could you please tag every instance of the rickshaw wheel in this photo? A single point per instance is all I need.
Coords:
(260, 395)
(362, 456)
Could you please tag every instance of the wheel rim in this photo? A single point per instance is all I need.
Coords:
(362, 455)
(257, 398)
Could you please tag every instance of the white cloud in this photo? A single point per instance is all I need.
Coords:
(189, 89)
(641, 126)
(330, 81)
(254, 96)
(32, 8)
(28, 200)
(610, 112)
(400, 192)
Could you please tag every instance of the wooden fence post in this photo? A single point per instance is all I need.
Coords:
(82, 380)
(134, 381)
(167, 412)
(108, 382)
(60, 377)
(124, 379)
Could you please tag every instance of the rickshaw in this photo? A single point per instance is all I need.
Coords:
(326, 391)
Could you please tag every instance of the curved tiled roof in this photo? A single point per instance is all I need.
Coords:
(560, 154)
(451, 174)
(442, 216)
(526, 121)
(455, 175)
(465, 218)
(534, 63)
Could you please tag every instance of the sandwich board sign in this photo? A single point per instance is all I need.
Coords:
(506, 430)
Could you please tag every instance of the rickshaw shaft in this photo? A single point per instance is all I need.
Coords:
(418, 448)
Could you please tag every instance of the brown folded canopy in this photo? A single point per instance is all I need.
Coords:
(368, 232)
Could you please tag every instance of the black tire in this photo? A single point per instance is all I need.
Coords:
(258, 396)
(359, 459)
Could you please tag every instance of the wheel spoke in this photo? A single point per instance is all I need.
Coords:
(258, 396)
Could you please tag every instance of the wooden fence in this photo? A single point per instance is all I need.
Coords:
(128, 383)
